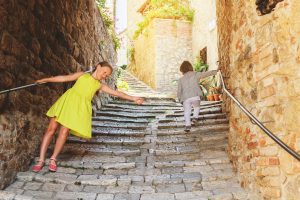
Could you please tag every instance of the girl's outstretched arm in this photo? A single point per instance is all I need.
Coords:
(66, 78)
(122, 95)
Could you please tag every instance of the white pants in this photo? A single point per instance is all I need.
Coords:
(187, 107)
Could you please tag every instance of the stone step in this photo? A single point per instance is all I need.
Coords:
(68, 178)
(120, 119)
(215, 167)
(211, 138)
(178, 157)
(73, 165)
(159, 99)
(102, 149)
(202, 116)
(175, 150)
(214, 156)
(189, 148)
(106, 180)
(126, 114)
(146, 103)
(117, 132)
(187, 138)
(109, 140)
(211, 110)
(195, 130)
(232, 193)
(137, 107)
(206, 103)
(131, 126)
(181, 123)
(90, 193)
(140, 89)
(143, 111)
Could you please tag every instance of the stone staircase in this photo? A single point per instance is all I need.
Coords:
(140, 153)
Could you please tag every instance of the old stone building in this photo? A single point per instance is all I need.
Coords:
(259, 54)
(40, 39)
(159, 49)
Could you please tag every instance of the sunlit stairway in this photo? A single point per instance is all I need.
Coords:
(140, 153)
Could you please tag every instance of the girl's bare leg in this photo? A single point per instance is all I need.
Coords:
(62, 137)
(50, 131)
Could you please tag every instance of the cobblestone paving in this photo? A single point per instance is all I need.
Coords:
(140, 153)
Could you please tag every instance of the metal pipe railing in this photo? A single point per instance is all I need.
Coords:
(19, 88)
(29, 85)
(258, 123)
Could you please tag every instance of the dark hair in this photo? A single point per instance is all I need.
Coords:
(186, 66)
(103, 64)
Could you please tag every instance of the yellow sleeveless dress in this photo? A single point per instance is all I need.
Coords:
(74, 108)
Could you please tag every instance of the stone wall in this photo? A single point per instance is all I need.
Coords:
(143, 65)
(173, 46)
(133, 16)
(40, 39)
(160, 50)
(205, 32)
(260, 56)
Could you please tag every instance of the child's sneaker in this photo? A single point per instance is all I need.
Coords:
(187, 129)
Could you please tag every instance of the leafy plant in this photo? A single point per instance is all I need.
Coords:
(115, 39)
(130, 54)
(109, 23)
(205, 85)
(122, 85)
(123, 67)
(101, 3)
(200, 66)
(165, 9)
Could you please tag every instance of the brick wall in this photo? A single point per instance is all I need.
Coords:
(260, 55)
(40, 39)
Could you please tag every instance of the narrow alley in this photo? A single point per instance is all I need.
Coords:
(140, 153)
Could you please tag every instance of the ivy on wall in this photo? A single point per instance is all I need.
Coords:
(109, 23)
(165, 9)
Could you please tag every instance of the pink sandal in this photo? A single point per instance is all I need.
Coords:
(38, 167)
(52, 167)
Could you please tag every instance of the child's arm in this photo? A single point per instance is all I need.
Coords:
(206, 74)
(66, 78)
(122, 95)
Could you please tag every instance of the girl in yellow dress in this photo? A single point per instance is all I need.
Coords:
(73, 110)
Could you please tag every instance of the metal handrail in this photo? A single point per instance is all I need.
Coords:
(19, 88)
(258, 123)
(31, 85)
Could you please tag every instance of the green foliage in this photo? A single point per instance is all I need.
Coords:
(115, 39)
(101, 3)
(165, 9)
(123, 67)
(122, 85)
(200, 66)
(205, 85)
(130, 54)
(109, 23)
